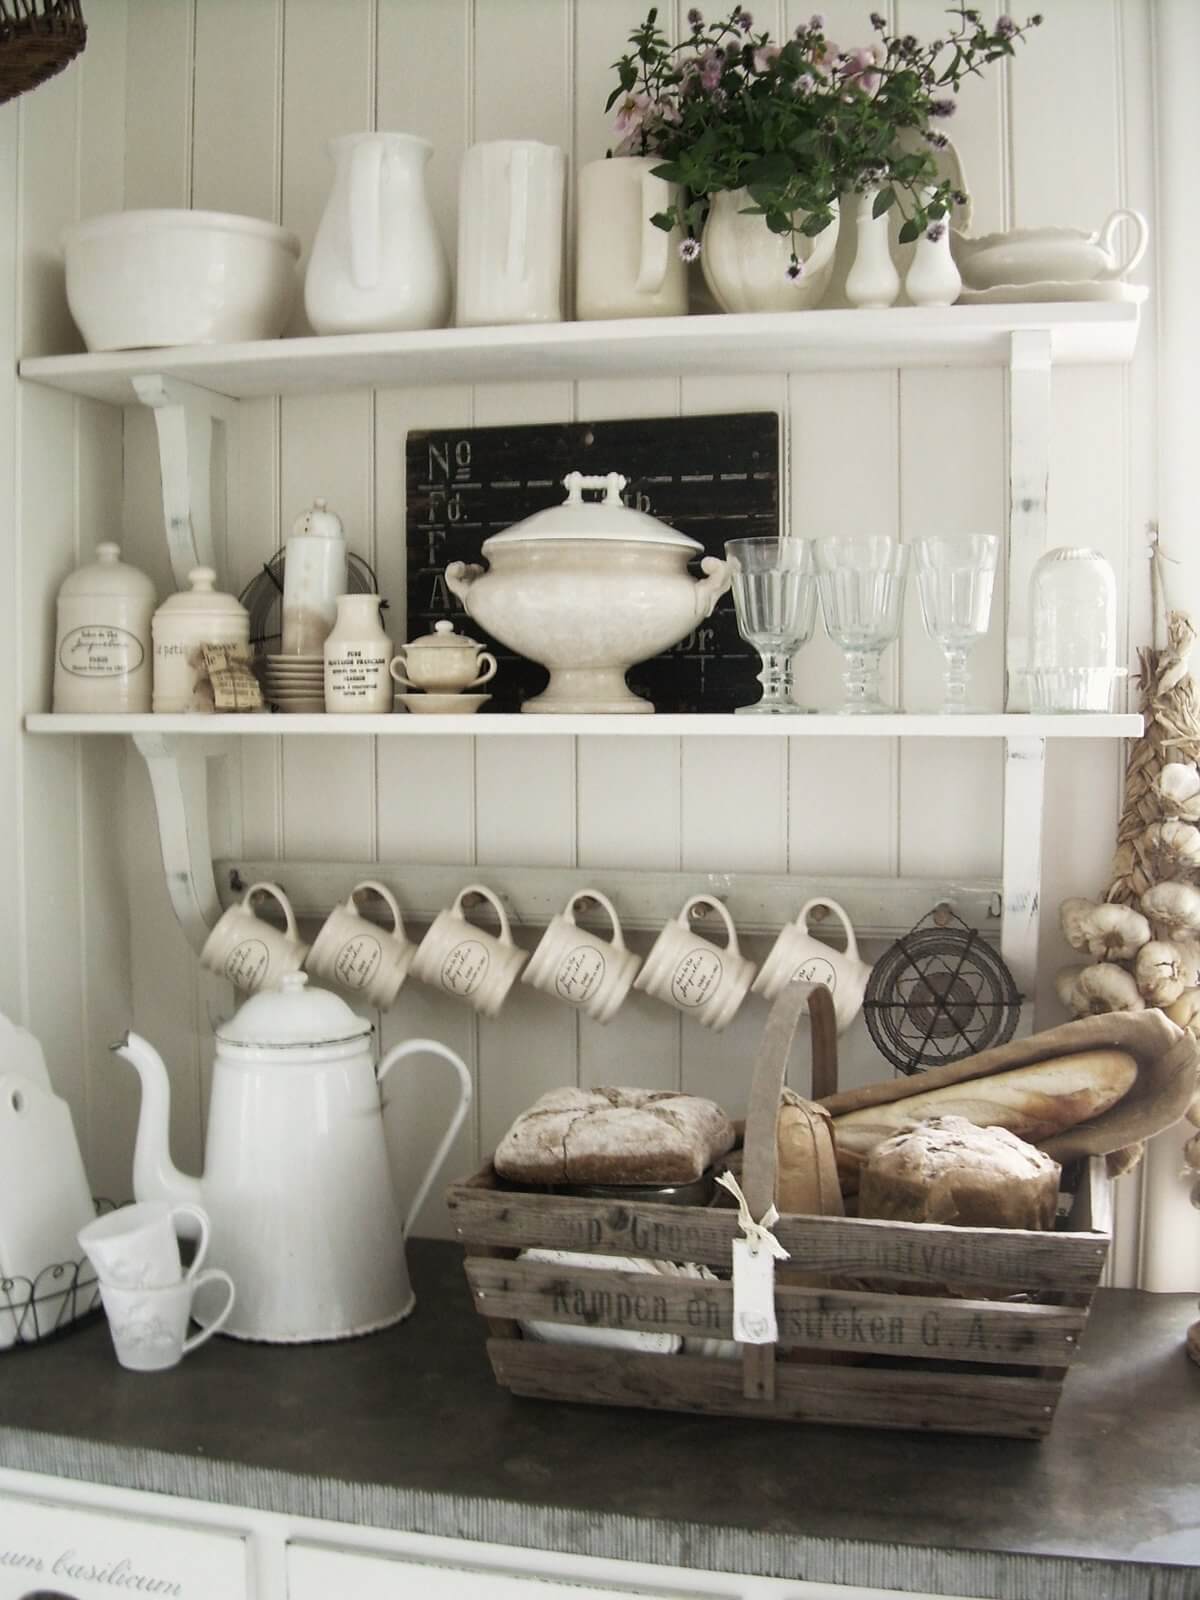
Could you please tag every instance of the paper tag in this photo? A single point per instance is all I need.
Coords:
(753, 1294)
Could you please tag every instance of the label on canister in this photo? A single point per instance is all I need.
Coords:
(98, 651)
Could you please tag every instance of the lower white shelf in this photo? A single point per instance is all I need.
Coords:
(912, 725)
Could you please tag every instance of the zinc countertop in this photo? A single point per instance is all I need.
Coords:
(407, 1430)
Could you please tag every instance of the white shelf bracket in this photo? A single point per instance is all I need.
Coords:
(1021, 873)
(179, 781)
(1029, 485)
(184, 416)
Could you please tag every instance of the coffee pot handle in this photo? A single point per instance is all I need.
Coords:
(412, 1047)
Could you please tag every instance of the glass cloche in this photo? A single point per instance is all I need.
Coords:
(1072, 631)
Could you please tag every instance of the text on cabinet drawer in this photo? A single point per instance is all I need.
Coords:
(86, 1555)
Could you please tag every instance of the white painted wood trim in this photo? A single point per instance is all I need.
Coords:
(812, 341)
(179, 781)
(912, 725)
(1029, 488)
(1024, 792)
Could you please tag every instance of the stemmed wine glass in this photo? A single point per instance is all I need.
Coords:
(861, 582)
(955, 576)
(775, 598)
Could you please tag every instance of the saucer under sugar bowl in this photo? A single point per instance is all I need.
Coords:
(443, 662)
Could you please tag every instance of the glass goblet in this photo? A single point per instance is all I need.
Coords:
(861, 582)
(955, 574)
(775, 599)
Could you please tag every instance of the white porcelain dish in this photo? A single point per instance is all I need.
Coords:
(142, 279)
(443, 705)
(1103, 291)
(1050, 255)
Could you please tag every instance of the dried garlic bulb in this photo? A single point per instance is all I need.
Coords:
(1170, 849)
(1178, 790)
(1163, 971)
(1194, 1197)
(1064, 985)
(1070, 919)
(1173, 910)
(1186, 1013)
(1118, 1162)
(1104, 988)
(1193, 1111)
(1191, 1152)
(1112, 932)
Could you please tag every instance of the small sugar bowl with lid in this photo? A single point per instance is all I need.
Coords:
(443, 662)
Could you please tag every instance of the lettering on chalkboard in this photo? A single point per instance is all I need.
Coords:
(712, 478)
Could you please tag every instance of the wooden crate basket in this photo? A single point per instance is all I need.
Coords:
(906, 1353)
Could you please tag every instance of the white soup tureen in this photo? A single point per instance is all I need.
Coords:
(589, 588)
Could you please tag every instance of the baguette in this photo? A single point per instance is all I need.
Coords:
(1033, 1102)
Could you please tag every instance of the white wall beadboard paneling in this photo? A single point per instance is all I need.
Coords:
(228, 104)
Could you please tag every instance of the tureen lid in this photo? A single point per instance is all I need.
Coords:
(578, 518)
(443, 636)
(293, 1014)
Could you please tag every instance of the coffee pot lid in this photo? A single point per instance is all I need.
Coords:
(293, 1014)
(608, 519)
(442, 637)
(203, 597)
(107, 575)
(319, 523)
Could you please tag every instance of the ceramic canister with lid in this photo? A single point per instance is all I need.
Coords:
(358, 655)
(102, 655)
(183, 624)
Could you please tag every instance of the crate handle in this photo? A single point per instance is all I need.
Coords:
(760, 1146)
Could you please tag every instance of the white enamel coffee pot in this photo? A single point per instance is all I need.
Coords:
(296, 1184)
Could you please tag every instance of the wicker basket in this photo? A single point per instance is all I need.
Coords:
(37, 39)
(909, 1353)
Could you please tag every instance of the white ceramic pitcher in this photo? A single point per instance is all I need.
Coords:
(377, 264)
(510, 233)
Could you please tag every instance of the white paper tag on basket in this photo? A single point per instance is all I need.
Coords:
(753, 1294)
(754, 1258)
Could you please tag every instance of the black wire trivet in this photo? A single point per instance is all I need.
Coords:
(939, 994)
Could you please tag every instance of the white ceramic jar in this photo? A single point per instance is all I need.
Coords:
(314, 574)
(510, 233)
(358, 655)
(196, 616)
(624, 265)
(102, 654)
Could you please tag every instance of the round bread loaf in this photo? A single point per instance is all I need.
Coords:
(949, 1170)
(620, 1136)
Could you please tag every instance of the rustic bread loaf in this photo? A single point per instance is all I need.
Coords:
(634, 1136)
(806, 1179)
(948, 1170)
(1033, 1102)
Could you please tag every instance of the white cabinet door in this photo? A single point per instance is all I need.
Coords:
(64, 1551)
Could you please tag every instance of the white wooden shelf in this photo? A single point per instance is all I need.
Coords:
(904, 336)
(912, 725)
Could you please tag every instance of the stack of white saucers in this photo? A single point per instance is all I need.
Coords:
(294, 683)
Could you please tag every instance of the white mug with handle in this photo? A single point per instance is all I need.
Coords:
(796, 954)
(588, 972)
(137, 1246)
(149, 1326)
(697, 977)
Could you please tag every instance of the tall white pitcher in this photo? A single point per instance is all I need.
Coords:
(377, 264)
(510, 233)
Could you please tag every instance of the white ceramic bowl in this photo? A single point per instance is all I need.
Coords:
(138, 279)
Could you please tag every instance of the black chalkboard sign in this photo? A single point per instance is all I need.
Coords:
(713, 478)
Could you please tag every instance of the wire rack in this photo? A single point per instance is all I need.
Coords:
(63, 1296)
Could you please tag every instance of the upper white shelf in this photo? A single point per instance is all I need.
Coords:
(903, 336)
(912, 725)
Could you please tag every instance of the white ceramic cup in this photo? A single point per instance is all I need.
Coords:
(250, 952)
(624, 265)
(149, 1326)
(510, 233)
(360, 956)
(590, 973)
(796, 954)
(697, 977)
(137, 1246)
(467, 962)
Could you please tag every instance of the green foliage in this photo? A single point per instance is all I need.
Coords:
(799, 123)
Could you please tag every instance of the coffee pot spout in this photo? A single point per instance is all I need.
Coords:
(155, 1177)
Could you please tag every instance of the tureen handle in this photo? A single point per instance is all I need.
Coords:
(460, 575)
(711, 587)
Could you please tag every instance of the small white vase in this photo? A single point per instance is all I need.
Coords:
(745, 264)
(932, 278)
(358, 656)
(873, 281)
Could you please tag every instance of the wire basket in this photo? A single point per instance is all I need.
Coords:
(37, 39)
(63, 1296)
(263, 595)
